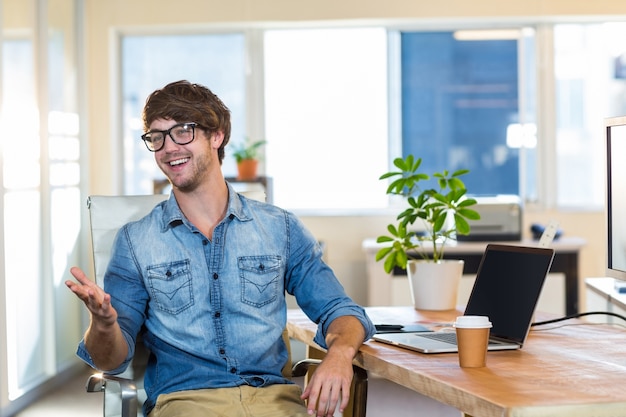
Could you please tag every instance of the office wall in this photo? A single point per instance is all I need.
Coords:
(343, 235)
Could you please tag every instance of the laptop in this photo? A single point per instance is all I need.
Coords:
(507, 287)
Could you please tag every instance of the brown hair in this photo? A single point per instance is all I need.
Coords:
(186, 102)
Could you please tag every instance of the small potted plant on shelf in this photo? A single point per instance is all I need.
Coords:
(444, 212)
(246, 155)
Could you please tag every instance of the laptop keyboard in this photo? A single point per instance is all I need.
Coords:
(447, 337)
(450, 337)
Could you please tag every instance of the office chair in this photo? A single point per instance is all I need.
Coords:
(124, 393)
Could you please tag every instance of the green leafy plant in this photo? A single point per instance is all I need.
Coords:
(247, 150)
(444, 211)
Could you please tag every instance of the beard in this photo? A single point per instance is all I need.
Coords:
(192, 176)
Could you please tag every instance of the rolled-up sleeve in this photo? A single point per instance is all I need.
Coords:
(348, 310)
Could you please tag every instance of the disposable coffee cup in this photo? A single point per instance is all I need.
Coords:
(472, 333)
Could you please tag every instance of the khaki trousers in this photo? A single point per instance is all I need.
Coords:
(272, 401)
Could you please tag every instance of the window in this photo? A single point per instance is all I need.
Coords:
(337, 104)
(326, 117)
(461, 106)
(21, 200)
(590, 86)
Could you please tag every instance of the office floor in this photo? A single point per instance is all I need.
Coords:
(68, 400)
(384, 399)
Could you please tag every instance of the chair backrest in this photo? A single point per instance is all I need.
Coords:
(107, 214)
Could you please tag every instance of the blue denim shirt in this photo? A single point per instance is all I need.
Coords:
(212, 312)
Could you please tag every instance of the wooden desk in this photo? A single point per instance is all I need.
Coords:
(573, 371)
(565, 262)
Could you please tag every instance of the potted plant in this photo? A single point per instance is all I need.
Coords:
(444, 212)
(246, 155)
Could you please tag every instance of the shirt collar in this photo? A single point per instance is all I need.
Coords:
(173, 214)
(236, 206)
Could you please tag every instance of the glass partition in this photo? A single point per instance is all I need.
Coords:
(21, 176)
(39, 183)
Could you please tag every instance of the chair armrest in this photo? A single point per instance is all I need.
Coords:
(359, 395)
(128, 391)
(300, 368)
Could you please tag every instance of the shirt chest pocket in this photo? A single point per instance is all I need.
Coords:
(170, 286)
(260, 278)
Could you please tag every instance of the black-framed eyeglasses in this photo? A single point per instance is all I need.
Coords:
(181, 134)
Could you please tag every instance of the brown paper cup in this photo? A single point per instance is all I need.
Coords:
(472, 333)
(472, 347)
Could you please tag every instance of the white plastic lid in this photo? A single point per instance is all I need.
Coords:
(472, 322)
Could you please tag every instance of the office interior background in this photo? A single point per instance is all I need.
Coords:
(515, 91)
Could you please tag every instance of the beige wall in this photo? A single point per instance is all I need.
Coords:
(343, 235)
(17, 15)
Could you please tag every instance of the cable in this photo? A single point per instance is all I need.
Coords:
(574, 316)
(558, 326)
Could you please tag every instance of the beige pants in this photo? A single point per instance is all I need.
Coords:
(245, 401)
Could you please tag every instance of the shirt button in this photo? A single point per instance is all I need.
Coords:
(233, 370)
(217, 314)
(215, 275)
(205, 242)
(232, 216)
(222, 351)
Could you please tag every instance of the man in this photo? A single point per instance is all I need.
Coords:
(203, 278)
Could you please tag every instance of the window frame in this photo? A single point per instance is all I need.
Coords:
(255, 118)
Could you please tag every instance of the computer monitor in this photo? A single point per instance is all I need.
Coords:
(615, 134)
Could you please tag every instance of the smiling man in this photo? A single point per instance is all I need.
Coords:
(203, 279)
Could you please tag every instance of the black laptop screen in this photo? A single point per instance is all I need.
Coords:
(508, 286)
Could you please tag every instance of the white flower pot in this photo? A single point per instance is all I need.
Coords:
(434, 286)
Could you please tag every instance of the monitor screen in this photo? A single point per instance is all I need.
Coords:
(616, 196)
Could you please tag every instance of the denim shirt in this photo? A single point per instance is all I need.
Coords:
(212, 312)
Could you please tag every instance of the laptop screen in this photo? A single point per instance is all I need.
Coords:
(508, 286)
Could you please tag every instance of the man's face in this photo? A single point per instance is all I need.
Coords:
(186, 166)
